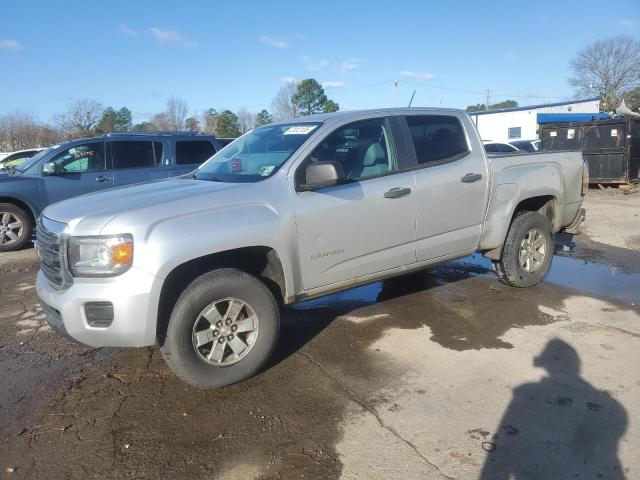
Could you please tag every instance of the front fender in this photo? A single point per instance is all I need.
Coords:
(24, 190)
(173, 241)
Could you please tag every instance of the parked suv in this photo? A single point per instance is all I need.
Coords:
(91, 165)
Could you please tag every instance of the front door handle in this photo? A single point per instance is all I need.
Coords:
(471, 177)
(397, 192)
(103, 178)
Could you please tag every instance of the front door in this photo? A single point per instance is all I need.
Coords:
(78, 170)
(365, 225)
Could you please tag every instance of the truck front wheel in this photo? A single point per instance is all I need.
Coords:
(222, 330)
(527, 251)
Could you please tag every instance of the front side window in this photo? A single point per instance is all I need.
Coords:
(257, 154)
(436, 138)
(363, 149)
(134, 154)
(80, 159)
(194, 151)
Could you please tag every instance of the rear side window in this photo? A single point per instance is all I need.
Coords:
(131, 154)
(195, 151)
(437, 138)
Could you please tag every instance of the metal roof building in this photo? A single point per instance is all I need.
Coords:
(509, 124)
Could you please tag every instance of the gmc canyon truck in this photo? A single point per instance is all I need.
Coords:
(201, 264)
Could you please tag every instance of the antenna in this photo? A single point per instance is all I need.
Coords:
(412, 95)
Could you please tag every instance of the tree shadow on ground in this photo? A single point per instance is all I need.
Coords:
(558, 428)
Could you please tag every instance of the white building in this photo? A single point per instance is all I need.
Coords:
(509, 124)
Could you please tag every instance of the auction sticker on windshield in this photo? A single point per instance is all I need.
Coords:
(300, 130)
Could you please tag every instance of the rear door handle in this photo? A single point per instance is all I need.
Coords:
(397, 192)
(471, 177)
(103, 178)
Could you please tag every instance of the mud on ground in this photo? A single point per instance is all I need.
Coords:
(441, 374)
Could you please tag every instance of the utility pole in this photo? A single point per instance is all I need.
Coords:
(488, 99)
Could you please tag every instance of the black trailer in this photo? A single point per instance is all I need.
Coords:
(611, 146)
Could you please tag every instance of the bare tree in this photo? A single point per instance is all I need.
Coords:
(607, 67)
(160, 121)
(20, 130)
(192, 124)
(80, 118)
(176, 112)
(246, 120)
(209, 121)
(283, 104)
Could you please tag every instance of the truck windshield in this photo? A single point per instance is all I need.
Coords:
(257, 154)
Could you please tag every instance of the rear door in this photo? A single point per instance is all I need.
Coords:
(137, 161)
(366, 225)
(78, 170)
(452, 185)
(190, 154)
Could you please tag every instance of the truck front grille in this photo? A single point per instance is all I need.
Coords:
(49, 246)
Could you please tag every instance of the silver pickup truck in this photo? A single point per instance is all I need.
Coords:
(289, 211)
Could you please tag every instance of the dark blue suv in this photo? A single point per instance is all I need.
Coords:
(90, 165)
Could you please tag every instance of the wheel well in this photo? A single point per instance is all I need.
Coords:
(544, 204)
(21, 204)
(261, 262)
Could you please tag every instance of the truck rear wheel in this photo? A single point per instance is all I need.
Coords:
(222, 330)
(16, 227)
(527, 251)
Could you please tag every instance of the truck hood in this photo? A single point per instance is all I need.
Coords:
(88, 214)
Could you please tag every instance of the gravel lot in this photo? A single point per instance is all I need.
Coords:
(442, 374)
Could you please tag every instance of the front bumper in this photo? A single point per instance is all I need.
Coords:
(134, 295)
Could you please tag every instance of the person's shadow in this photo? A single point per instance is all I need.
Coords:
(558, 428)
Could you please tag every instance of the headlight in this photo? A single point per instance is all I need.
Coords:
(103, 256)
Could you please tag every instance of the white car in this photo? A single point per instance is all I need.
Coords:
(498, 147)
(14, 159)
(526, 145)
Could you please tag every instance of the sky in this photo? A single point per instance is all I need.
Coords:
(237, 54)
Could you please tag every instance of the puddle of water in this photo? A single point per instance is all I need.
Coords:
(589, 277)
(594, 278)
(363, 295)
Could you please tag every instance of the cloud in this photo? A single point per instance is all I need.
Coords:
(127, 30)
(10, 45)
(317, 65)
(314, 65)
(288, 79)
(627, 23)
(171, 36)
(273, 42)
(333, 84)
(417, 75)
(350, 64)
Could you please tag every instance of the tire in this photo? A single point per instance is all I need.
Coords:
(197, 311)
(509, 268)
(16, 227)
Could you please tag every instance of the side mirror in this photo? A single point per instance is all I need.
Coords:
(49, 168)
(322, 174)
